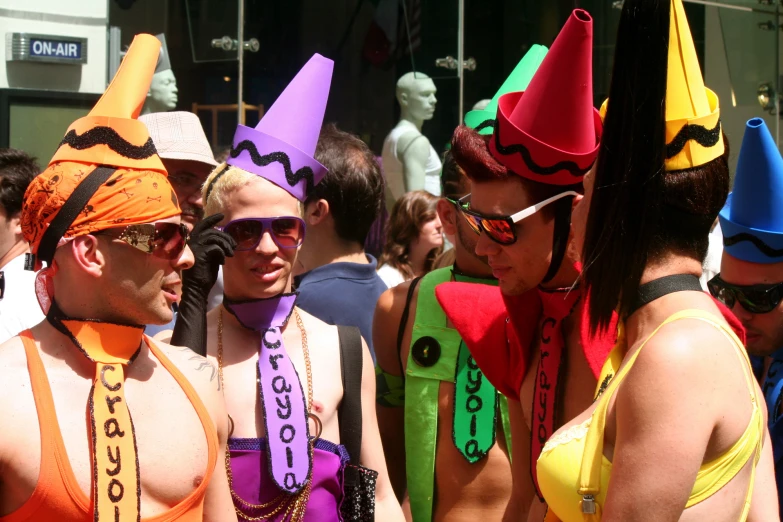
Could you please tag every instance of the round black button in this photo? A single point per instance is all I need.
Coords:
(426, 351)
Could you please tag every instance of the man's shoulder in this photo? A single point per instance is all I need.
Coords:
(12, 357)
(312, 323)
(200, 371)
(393, 301)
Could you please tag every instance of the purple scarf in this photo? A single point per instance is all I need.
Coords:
(282, 397)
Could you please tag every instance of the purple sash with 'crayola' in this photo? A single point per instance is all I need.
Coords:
(282, 397)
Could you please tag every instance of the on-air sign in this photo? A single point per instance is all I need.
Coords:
(45, 48)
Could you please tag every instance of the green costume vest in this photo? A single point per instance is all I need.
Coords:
(437, 354)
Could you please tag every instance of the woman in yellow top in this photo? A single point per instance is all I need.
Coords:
(679, 432)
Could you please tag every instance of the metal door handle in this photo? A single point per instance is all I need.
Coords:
(231, 44)
(450, 62)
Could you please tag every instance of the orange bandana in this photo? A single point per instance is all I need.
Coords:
(105, 174)
(138, 190)
(129, 197)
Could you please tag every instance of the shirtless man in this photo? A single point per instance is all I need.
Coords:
(541, 363)
(104, 279)
(424, 459)
(282, 366)
(468, 485)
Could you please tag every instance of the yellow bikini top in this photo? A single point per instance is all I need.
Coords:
(573, 472)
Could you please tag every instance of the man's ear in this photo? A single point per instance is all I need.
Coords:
(87, 255)
(403, 99)
(16, 223)
(448, 217)
(316, 211)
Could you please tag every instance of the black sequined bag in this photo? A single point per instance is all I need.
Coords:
(358, 503)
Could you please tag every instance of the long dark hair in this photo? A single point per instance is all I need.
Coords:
(639, 212)
(408, 215)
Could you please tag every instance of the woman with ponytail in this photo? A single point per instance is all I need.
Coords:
(678, 433)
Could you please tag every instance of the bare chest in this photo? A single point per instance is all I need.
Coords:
(171, 441)
(242, 380)
(571, 381)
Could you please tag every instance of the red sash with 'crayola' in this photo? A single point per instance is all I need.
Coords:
(557, 305)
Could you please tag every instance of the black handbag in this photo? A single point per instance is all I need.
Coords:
(358, 482)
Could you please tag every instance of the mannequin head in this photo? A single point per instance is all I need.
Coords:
(416, 95)
(163, 93)
(481, 104)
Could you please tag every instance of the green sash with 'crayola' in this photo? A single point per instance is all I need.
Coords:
(437, 354)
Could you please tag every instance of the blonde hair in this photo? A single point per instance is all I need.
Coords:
(224, 180)
(219, 184)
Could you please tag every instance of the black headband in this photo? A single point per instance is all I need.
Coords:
(70, 210)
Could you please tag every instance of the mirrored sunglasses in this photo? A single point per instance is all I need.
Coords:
(286, 231)
(501, 229)
(162, 240)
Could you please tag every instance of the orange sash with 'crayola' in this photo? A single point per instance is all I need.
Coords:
(115, 461)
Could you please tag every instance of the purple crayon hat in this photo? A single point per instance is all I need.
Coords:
(281, 147)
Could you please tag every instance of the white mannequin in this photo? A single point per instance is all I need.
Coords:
(163, 93)
(162, 96)
(409, 160)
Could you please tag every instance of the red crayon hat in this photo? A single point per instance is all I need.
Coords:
(550, 133)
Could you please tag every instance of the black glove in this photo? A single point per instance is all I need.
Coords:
(210, 248)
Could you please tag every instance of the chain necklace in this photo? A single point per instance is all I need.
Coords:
(292, 506)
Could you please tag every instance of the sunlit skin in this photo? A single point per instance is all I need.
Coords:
(764, 331)
(520, 267)
(581, 208)
(103, 278)
(455, 226)
(136, 288)
(464, 491)
(658, 402)
(263, 273)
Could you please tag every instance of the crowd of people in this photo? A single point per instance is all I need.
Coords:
(189, 339)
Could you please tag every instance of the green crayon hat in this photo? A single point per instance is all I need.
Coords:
(483, 121)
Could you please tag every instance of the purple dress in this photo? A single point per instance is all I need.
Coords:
(252, 482)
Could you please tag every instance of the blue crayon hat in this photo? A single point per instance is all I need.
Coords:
(752, 219)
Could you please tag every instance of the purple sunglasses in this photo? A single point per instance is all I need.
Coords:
(286, 231)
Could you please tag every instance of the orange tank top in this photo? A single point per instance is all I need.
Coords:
(57, 495)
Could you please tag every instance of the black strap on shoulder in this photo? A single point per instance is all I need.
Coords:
(350, 411)
(649, 292)
(560, 238)
(404, 321)
(70, 210)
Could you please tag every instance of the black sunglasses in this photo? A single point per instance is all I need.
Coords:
(756, 299)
